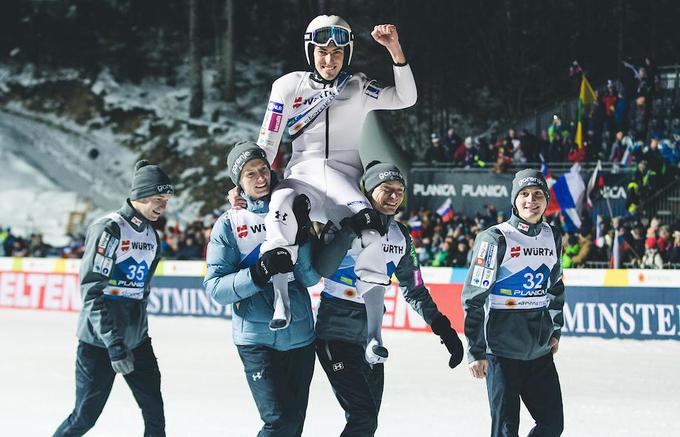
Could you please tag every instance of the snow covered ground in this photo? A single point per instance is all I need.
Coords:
(610, 387)
(32, 201)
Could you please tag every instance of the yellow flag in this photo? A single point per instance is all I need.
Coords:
(587, 93)
(586, 97)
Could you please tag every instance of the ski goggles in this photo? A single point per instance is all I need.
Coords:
(321, 37)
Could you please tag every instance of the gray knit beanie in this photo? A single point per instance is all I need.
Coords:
(239, 155)
(378, 172)
(149, 180)
(529, 178)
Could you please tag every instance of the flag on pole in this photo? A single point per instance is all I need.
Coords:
(615, 260)
(544, 168)
(595, 184)
(586, 97)
(566, 196)
(445, 211)
(599, 238)
(416, 227)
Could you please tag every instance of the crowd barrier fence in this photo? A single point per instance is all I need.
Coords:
(638, 304)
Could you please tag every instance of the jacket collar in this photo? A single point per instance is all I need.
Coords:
(257, 206)
(134, 217)
(524, 226)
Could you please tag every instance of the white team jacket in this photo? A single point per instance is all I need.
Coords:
(335, 133)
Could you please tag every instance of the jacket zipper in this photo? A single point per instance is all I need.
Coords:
(327, 132)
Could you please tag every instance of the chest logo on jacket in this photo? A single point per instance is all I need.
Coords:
(242, 230)
(392, 248)
(516, 251)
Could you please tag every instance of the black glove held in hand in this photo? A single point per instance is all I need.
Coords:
(367, 218)
(270, 263)
(301, 208)
(442, 327)
(122, 360)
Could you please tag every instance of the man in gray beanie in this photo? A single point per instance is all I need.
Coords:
(120, 258)
(279, 366)
(346, 320)
(513, 298)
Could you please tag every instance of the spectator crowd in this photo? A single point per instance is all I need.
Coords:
(641, 243)
(626, 117)
(188, 243)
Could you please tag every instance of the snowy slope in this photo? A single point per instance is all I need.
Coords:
(31, 202)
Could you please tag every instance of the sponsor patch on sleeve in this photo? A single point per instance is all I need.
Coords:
(272, 119)
(104, 240)
(490, 259)
(111, 247)
(414, 256)
(275, 107)
(477, 273)
(373, 89)
(102, 265)
(417, 278)
(486, 278)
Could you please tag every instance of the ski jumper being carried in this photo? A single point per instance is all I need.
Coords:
(323, 111)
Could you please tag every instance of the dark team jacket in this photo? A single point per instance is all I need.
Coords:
(513, 293)
(121, 256)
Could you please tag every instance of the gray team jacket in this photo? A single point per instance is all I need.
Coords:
(121, 255)
(513, 293)
(341, 314)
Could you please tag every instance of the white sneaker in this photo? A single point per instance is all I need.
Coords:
(375, 352)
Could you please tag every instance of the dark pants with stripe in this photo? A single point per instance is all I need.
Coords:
(536, 383)
(357, 386)
(94, 379)
(279, 382)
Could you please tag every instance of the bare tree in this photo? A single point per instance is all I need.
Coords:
(227, 59)
(196, 99)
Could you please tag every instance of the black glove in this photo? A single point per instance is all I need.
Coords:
(301, 208)
(270, 263)
(122, 360)
(367, 218)
(449, 338)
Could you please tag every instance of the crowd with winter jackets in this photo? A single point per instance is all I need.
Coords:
(642, 243)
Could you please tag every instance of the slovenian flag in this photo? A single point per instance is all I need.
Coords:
(566, 196)
(445, 211)
(416, 227)
(544, 168)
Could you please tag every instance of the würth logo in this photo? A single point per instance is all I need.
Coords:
(298, 102)
(242, 231)
(514, 252)
(125, 245)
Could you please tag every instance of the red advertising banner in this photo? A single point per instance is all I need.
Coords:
(45, 291)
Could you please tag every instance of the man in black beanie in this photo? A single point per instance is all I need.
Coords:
(121, 255)
(513, 298)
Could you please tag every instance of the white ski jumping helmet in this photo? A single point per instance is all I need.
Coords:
(324, 29)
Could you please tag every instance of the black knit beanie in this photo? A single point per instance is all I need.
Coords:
(149, 180)
(529, 178)
(378, 172)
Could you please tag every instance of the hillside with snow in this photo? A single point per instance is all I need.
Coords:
(71, 144)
